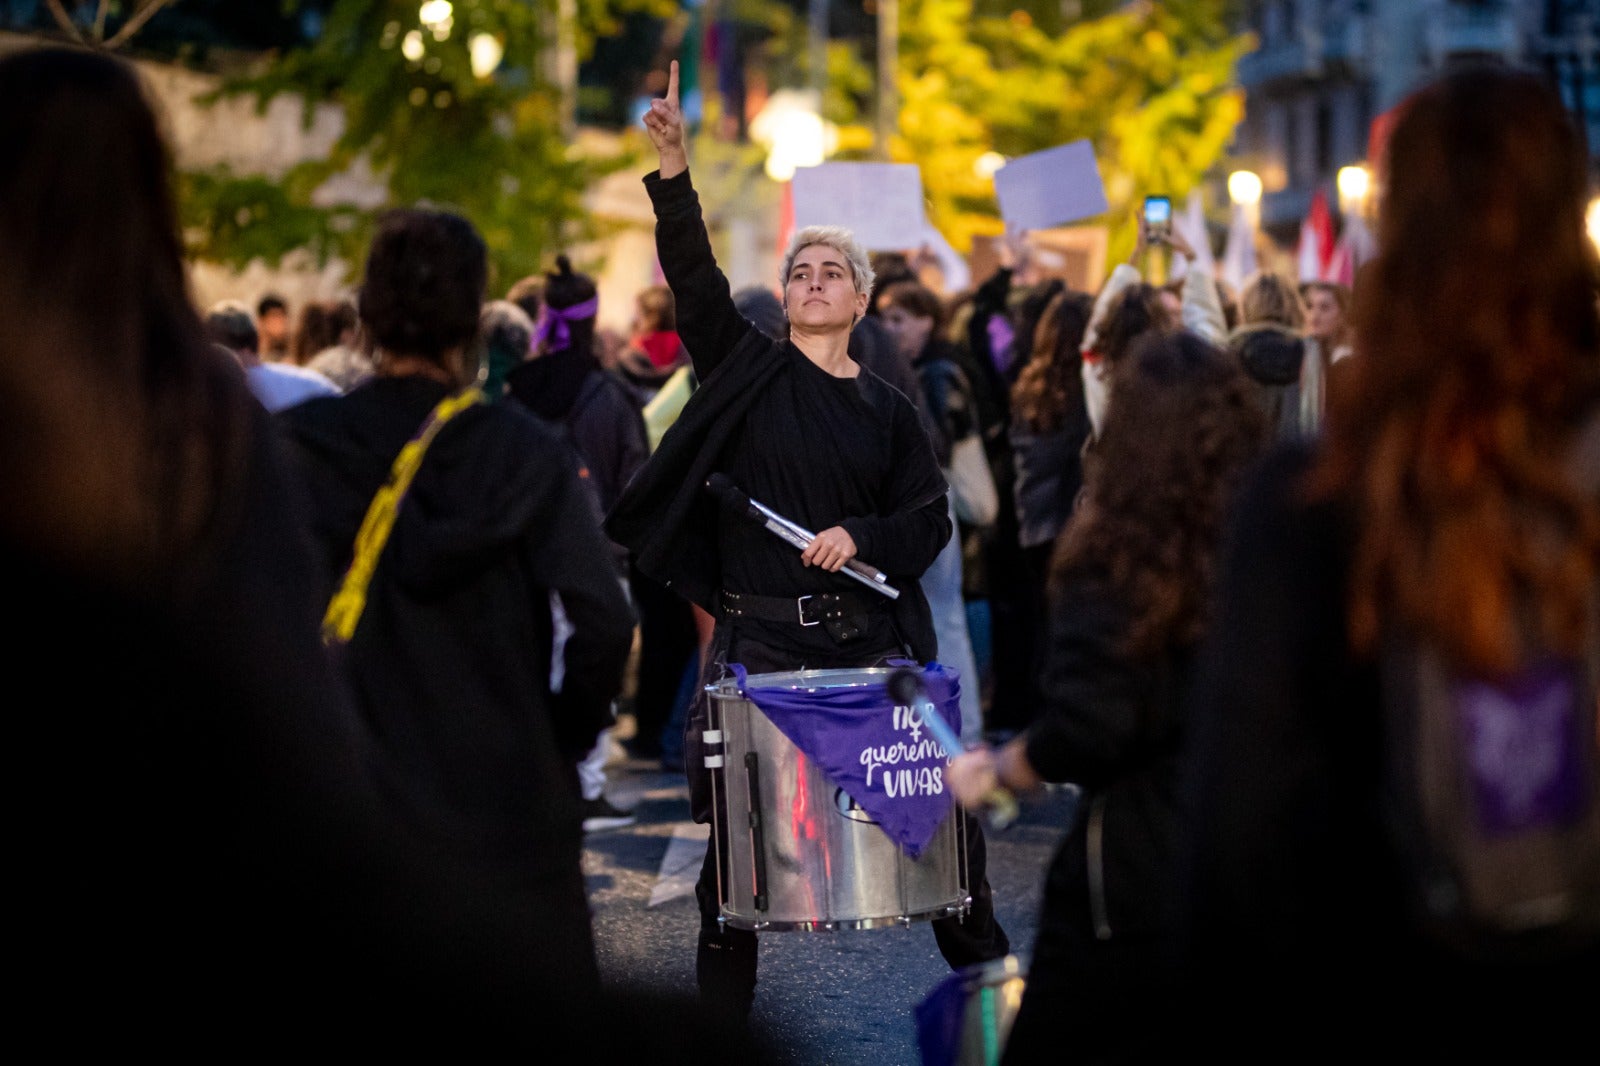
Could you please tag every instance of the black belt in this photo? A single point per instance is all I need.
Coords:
(839, 611)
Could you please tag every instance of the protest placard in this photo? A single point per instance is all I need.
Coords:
(1050, 188)
(881, 203)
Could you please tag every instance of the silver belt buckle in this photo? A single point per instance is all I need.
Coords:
(800, 608)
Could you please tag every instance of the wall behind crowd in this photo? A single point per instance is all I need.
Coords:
(232, 132)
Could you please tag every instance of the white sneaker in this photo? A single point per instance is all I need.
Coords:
(599, 814)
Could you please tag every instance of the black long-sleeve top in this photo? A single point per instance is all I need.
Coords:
(1111, 723)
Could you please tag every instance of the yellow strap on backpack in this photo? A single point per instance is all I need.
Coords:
(344, 610)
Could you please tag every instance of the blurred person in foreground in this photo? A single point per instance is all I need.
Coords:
(761, 409)
(1130, 587)
(210, 860)
(1453, 501)
(450, 658)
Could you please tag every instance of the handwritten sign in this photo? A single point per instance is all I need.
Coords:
(881, 754)
(1050, 188)
(881, 203)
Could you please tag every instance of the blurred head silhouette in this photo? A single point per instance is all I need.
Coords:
(117, 432)
(1477, 341)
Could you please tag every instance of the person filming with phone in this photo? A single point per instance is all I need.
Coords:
(1128, 306)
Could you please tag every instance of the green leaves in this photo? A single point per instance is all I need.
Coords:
(489, 143)
(1148, 84)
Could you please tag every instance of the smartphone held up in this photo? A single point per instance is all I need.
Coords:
(1157, 218)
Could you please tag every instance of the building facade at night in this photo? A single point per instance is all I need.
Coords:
(1324, 70)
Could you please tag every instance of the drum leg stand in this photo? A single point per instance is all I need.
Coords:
(712, 744)
(960, 815)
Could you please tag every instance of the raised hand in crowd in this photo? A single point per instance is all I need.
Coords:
(664, 123)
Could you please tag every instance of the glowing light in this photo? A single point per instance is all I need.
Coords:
(1594, 221)
(411, 46)
(434, 12)
(436, 16)
(1354, 182)
(1244, 187)
(486, 52)
(792, 132)
(987, 163)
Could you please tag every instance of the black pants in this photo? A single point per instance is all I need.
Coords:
(725, 961)
(667, 643)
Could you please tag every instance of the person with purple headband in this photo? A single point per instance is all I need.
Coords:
(555, 327)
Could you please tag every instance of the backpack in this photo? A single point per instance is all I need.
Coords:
(1492, 796)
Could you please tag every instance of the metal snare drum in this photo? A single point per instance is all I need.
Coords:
(800, 854)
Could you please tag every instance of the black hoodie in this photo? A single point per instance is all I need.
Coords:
(450, 663)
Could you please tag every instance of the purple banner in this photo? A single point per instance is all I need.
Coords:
(881, 754)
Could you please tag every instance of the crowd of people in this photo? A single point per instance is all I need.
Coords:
(366, 585)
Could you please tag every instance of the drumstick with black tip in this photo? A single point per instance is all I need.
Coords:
(907, 689)
(722, 487)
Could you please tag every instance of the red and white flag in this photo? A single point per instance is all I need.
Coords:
(1356, 246)
(1316, 239)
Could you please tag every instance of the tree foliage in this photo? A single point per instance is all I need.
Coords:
(1149, 85)
(492, 147)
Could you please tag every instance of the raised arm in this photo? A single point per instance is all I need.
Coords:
(1202, 310)
(708, 321)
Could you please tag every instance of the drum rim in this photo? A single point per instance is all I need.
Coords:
(800, 679)
(952, 909)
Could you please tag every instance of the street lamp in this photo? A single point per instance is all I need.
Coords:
(1244, 189)
(987, 164)
(1354, 182)
(790, 127)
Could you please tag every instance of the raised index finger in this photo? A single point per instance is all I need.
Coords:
(672, 84)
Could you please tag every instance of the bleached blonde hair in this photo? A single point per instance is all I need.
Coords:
(840, 240)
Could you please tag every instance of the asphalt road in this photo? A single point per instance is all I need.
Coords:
(844, 998)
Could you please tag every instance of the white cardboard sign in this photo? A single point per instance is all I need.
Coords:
(1050, 188)
(881, 203)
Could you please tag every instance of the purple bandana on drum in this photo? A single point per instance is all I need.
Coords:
(1522, 739)
(881, 755)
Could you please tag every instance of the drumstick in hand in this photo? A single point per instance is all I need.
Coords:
(907, 689)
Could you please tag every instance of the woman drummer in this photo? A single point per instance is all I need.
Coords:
(799, 425)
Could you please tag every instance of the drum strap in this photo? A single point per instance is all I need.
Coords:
(344, 610)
